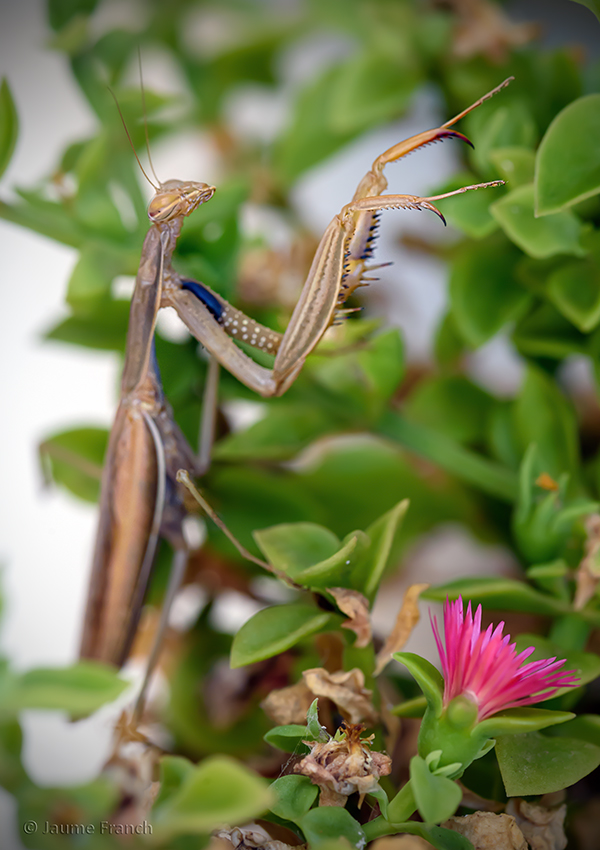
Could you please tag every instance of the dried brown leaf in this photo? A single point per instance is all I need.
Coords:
(288, 705)
(251, 837)
(407, 619)
(542, 827)
(400, 842)
(346, 689)
(484, 28)
(356, 607)
(588, 573)
(487, 831)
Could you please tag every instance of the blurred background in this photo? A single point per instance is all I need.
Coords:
(46, 535)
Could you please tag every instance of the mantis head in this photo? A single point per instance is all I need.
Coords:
(177, 198)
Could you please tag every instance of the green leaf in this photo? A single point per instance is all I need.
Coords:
(294, 795)
(539, 237)
(91, 281)
(174, 770)
(509, 125)
(568, 160)
(453, 405)
(75, 460)
(9, 126)
(60, 12)
(315, 558)
(288, 738)
(586, 727)
(364, 379)
(370, 569)
(276, 629)
(517, 721)
(105, 330)
(593, 6)
(546, 333)
(218, 792)
(484, 295)
(427, 677)
(542, 415)
(502, 593)
(538, 764)
(437, 797)
(329, 823)
(315, 729)
(468, 466)
(438, 836)
(369, 89)
(295, 546)
(575, 289)
(283, 432)
(516, 165)
(78, 690)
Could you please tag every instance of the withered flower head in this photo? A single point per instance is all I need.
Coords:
(343, 765)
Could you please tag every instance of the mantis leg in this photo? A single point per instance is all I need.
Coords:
(209, 416)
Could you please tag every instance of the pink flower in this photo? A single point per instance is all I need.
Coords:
(485, 667)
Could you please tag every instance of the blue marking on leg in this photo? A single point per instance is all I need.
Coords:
(203, 294)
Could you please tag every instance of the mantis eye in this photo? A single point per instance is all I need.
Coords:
(161, 206)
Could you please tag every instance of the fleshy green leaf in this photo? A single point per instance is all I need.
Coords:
(74, 459)
(509, 125)
(466, 465)
(295, 546)
(586, 727)
(174, 770)
(427, 677)
(78, 690)
(106, 329)
(61, 12)
(218, 792)
(288, 738)
(517, 721)
(575, 289)
(437, 797)
(370, 569)
(542, 415)
(294, 795)
(593, 6)
(328, 823)
(371, 88)
(516, 165)
(315, 729)
(91, 280)
(568, 159)
(284, 430)
(453, 405)
(9, 126)
(559, 233)
(546, 333)
(539, 764)
(503, 593)
(276, 629)
(484, 295)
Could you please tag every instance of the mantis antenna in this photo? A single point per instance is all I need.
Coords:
(146, 118)
(156, 188)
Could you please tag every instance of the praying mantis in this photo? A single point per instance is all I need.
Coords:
(148, 458)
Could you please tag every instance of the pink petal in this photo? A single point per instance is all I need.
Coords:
(486, 667)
